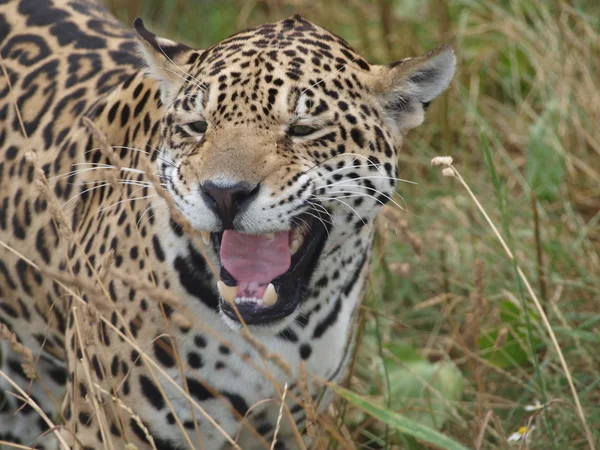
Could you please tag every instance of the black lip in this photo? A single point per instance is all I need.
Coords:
(291, 286)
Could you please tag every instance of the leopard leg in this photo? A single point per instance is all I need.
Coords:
(19, 422)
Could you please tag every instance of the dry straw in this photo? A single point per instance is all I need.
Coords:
(65, 232)
(450, 171)
(12, 341)
(279, 417)
(37, 409)
(98, 289)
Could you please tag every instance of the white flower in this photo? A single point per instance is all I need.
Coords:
(521, 433)
(535, 407)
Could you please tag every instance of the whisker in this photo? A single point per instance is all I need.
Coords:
(318, 218)
(323, 209)
(320, 206)
(108, 166)
(138, 183)
(161, 155)
(197, 83)
(100, 167)
(350, 207)
(350, 195)
(123, 181)
(362, 194)
(358, 186)
(130, 170)
(303, 221)
(157, 203)
(128, 200)
(150, 217)
(333, 172)
(354, 155)
(374, 178)
(83, 192)
(308, 226)
(142, 216)
(67, 175)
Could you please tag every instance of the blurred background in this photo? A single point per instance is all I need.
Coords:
(448, 335)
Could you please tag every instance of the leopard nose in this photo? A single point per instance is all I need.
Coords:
(227, 201)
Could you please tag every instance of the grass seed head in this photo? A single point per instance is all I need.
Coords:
(442, 161)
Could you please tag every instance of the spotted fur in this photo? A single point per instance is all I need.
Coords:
(65, 60)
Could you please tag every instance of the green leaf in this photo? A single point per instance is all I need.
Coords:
(403, 351)
(510, 313)
(398, 422)
(545, 169)
(513, 314)
(512, 353)
(424, 391)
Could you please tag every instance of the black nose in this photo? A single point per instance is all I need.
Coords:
(227, 202)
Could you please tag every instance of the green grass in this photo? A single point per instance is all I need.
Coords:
(521, 122)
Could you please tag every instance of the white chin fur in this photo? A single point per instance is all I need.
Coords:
(259, 330)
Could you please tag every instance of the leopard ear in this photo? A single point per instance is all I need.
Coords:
(407, 87)
(167, 61)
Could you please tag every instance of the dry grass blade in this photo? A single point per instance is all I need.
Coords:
(132, 414)
(167, 297)
(482, 430)
(279, 417)
(265, 356)
(98, 410)
(37, 409)
(309, 408)
(66, 233)
(13, 445)
(181, 390)
(11, 338)
(517, 60)
(134, 345)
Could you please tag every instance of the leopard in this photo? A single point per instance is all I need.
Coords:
(185, 234)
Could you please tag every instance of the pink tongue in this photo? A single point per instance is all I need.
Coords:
(255, 259)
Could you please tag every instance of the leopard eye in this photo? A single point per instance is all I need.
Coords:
(301, 130)
(198, 127)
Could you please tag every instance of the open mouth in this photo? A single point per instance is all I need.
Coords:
(265, 276)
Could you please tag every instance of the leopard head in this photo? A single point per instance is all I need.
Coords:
(281, 142)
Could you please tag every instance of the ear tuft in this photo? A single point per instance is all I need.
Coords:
(408, 86)
(141, 30)
(168, 48)
(166, 60)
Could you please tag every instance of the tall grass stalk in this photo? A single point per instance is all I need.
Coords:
(450, 171)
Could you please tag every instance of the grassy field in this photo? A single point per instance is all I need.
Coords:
(450, 335)
(481, 320)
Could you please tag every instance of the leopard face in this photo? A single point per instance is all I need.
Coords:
(279, 144)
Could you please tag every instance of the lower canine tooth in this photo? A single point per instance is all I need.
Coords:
(229, 293)
(270, 296)
(205, 237)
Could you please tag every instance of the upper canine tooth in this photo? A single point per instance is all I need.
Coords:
(229, 293)
(296, 244)
(205, 237)
(270, 295)
(270, 236)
